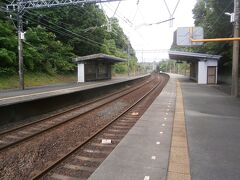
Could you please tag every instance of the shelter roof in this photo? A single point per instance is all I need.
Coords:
(189, 56)
(100, 57)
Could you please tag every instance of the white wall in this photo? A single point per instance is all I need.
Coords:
(81, 72)
(202, 70)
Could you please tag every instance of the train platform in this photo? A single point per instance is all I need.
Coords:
(213, 123)
(190, 131)
(14, 96)
(144, 151)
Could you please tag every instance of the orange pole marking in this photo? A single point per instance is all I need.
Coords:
(215, 40)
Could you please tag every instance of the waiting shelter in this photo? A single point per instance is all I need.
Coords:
(203, 67)
(96, 67)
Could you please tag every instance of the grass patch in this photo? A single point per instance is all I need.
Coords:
(36, 79)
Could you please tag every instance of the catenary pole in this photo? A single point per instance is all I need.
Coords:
(20, 47)
(128, 58)
(234, 90)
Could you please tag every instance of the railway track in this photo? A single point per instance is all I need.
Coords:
(20, 134)
(87, 153)
(40, 154)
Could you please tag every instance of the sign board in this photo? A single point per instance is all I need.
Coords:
(185, 34)
(22, 35)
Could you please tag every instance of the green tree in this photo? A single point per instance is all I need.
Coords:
(8, 48)
(47, 54)
(209, 14)
(55, 35)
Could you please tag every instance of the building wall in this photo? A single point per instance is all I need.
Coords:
(81, 72)
(202, 70)
(93, 71)
(193, 71)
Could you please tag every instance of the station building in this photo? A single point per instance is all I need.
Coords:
(203, 67)
(96, 67)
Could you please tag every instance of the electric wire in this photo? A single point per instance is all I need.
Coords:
(72, 34)
(124, 19)
(67, 33)
(175, 7)
(76, 35)
(127, 21)
(87, 39)
(116, 9)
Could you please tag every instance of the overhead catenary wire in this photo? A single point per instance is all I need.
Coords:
(78, 35)
(63, 31)
(131, 26)
(175, 7)
(20, 12)
(135, 14)
(59, 31)
(167, 7)
(128, 22)
(122, 17)
(116, 8)
(171, 13)
(67, 32)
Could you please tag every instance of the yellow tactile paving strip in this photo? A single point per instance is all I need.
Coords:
(179, 168)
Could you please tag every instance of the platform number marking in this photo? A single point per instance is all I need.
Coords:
(146, 178)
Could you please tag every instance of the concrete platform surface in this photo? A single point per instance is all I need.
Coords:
(213, 128)
(212, 123)
(144, 151)
(17, 96)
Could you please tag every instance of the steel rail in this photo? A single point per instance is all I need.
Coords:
(54, 164)
(65, 111)
(3, 148)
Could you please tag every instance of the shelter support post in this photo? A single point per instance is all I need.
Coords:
(234, 90)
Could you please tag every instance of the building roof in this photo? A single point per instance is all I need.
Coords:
(189, 56)
(101, 57)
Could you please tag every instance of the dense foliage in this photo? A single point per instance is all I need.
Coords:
(55, 35)
(209, 14)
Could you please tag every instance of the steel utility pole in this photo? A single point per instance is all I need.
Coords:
(20, 47)
(234, 90)
(128, 57)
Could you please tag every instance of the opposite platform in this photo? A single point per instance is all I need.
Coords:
(144, 151)
(29, 94)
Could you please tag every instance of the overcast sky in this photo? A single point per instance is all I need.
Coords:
(149, 39)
